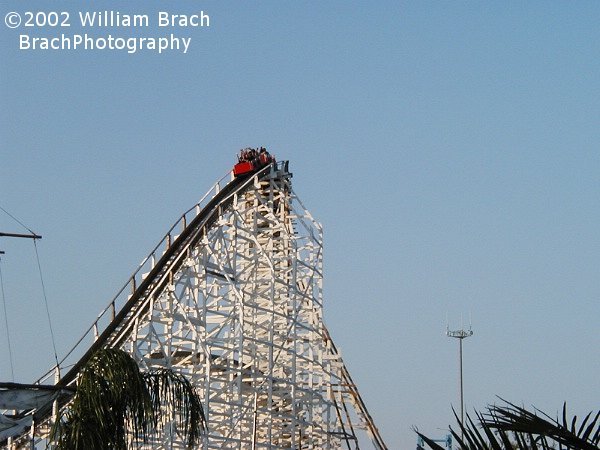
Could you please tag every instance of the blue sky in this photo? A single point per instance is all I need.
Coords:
(450, 150)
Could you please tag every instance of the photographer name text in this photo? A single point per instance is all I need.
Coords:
(99, 22)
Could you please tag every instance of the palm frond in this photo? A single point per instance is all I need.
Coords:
(520, 420)
(169, 388)
(116, 404)
(111, 403)
(510, 427)
(432, 444)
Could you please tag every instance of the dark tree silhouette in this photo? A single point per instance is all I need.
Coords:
(511, 427)
(115, 403)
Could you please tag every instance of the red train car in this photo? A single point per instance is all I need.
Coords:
(242, 168)
(251, 160)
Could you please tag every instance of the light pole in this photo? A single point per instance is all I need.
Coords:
(460, 335)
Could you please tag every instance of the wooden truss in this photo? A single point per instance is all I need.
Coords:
(237, 307)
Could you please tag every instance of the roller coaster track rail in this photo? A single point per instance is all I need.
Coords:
(120, 307)
(112, 324)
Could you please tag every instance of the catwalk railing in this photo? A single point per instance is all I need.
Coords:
(114, 320)
(117, 307)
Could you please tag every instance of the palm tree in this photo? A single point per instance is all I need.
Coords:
(115, 404)
(511, 427)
